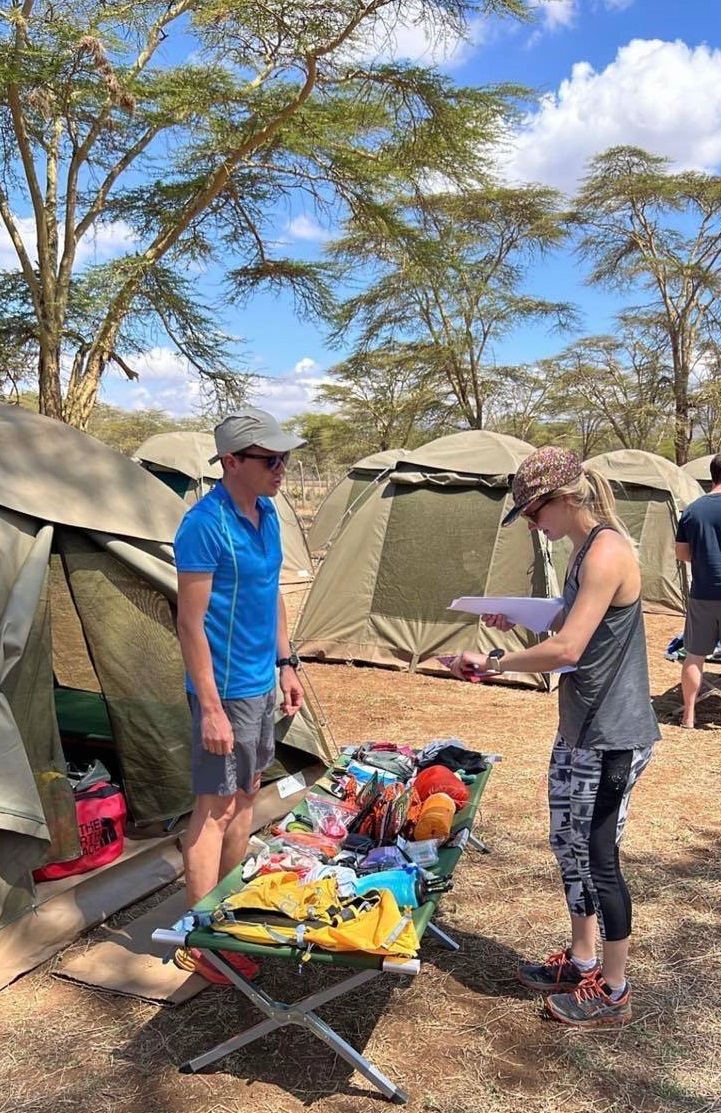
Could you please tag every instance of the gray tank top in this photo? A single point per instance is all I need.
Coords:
(625, 719)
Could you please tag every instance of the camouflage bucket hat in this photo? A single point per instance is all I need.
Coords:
(542, 473)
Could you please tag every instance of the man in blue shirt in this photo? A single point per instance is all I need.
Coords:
(698, 541)
(233, 633)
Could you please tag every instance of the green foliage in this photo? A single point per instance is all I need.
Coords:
(624, 382)
(387, 396)
(197, 156)
(332, 440)
(446, 273)
(647, 229)
(126, 430)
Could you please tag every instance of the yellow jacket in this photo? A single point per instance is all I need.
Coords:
(278, 908)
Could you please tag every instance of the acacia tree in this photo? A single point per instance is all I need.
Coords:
(388, 396)
(189, 123)
(646, 228)
(705, 399)
(446, 274)
(521, 400)
(625, 379)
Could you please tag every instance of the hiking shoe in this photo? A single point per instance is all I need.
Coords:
(558, 973)
(590, 1005)
(194, 961)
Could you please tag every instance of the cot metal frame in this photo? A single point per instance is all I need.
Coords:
(362, 968)
(301, 1013)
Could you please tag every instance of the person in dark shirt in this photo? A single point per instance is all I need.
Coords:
(698, 541)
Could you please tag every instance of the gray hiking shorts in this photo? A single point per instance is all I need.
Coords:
(252, 721)
(703, 626)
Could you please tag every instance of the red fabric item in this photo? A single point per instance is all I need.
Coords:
(438, 778)
(195, 962)
(101, 815)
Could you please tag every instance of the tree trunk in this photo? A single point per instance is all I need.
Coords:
(81, 398)
(49, 393)
(681, 437)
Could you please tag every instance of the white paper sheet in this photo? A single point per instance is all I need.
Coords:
(535, 614)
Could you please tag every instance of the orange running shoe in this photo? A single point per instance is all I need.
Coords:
(557, 973)
(591, 1004)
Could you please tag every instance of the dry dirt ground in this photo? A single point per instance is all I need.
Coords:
(462, 1037)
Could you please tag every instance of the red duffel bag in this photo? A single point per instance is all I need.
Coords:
(101, 814)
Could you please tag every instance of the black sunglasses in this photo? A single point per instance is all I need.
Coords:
(271, 462)
(532, 515)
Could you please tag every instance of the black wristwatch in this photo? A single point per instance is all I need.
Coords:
(293, 661)
(494, 659)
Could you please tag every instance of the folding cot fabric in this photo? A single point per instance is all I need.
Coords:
(365, 967)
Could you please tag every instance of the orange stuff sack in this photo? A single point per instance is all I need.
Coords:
(436, 817)
(438, 778)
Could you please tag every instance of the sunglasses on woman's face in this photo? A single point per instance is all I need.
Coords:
(532, 515)
(271, 462)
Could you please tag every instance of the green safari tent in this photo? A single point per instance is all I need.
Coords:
(347, 495)
(698, 469)
(89, 657)
(181, 458)
(426, 532)
(651, 493)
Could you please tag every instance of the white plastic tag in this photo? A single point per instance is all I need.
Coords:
(288, 785)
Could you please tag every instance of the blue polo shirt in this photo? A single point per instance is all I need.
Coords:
(241, 622)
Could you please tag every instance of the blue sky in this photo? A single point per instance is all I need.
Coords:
(646, 72)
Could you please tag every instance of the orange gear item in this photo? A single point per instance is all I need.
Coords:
(436, 818)
(438, 778)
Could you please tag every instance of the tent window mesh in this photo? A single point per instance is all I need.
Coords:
(438, 545)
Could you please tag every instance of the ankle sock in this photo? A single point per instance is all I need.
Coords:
(585, 965)
(616, 992)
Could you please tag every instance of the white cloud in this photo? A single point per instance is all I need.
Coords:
(305, 227)
(106, 241)
(26, 227)
(662, 96)
(166, 382)
(161, 364)
(293, 394)
(557, 14)
(305, 366)
(551, 16)
(411, 34)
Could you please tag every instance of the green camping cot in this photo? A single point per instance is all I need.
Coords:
(364, 968)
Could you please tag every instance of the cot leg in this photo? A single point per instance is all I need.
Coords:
(324, 1032)
(442, 938)
(222, 1049)
(478, 844)
(300, 1013)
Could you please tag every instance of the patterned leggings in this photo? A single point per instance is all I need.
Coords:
(588, 794)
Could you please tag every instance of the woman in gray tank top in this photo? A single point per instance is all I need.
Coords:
(606, 731)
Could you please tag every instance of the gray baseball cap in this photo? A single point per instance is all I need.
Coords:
(251, 426)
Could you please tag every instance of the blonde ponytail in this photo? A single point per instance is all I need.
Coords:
(592, 492)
